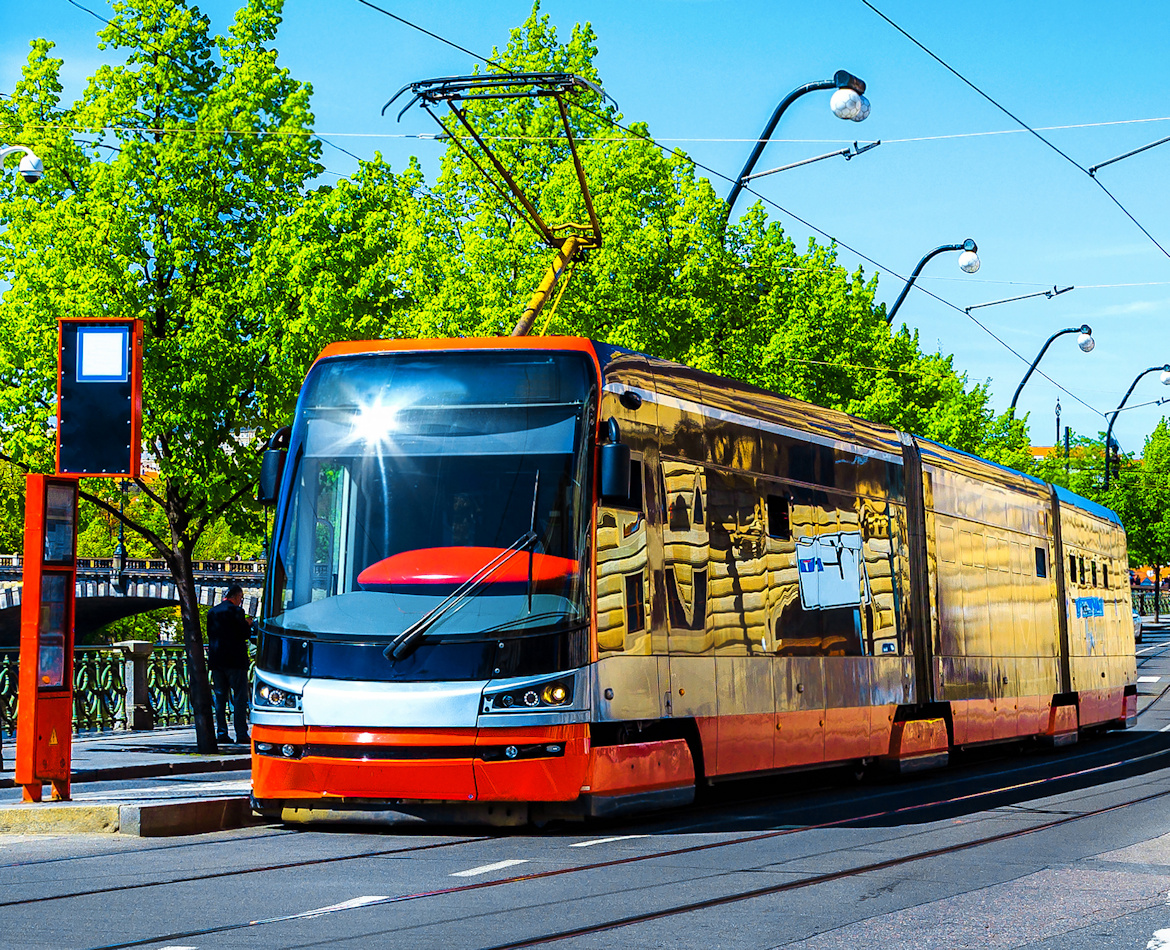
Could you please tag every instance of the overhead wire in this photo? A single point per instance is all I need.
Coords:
(607, 116)
(938, 59)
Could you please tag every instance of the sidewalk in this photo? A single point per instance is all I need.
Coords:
(118, 756)
(109, 796)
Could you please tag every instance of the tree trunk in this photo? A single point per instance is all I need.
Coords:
(1157, 593)
(199, 688)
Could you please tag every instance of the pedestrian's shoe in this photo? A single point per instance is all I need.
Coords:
(223, 737)
(244, 740)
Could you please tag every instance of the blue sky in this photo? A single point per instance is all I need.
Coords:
(705, 73)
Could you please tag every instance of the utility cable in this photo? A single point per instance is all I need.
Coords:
(1021, 122)
(605, 116)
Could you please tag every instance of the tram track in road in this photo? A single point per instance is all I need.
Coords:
(674, 826)
(811, 880)
(534, 876)
(239, 872)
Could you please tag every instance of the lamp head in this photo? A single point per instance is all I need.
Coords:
(969, 260)
(1085, 341)
(1165, 375)
(848, 103)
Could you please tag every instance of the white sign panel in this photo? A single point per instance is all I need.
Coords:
(831, 571)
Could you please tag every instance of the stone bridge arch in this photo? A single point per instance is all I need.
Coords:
(148, 586)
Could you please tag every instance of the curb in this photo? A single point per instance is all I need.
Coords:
(154, 770)
(192, 816)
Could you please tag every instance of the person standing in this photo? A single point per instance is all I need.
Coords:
(228, 631)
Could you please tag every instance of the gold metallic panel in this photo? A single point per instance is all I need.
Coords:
(692, 680)
(637, 692)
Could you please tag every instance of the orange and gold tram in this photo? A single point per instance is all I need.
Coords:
(540, 577)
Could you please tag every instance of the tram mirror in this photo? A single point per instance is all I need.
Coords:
(271, 470)
(614, 463)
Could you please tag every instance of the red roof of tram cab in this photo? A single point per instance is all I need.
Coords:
(359, 347)
(456, 565)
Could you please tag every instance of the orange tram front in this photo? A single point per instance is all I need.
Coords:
(518, 579)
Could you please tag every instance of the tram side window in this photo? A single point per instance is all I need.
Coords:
(1093, 565)
(636, 486)
(1041, 563)
(779, 525)
(1072, 568)
(635, 602)
(1105, 576)
(1082, 560)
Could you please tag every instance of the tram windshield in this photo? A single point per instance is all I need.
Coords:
(436, 494)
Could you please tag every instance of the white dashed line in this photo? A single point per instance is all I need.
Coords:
(1149, 679)
(484, 869)
(590, 844)
(331, 909)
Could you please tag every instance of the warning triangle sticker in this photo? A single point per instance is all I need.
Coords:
(53, 737)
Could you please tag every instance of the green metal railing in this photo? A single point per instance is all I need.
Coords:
(99, 688)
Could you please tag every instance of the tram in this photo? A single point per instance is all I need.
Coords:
(522, 578)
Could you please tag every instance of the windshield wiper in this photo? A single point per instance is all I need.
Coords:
(405, 641)
(551, 618)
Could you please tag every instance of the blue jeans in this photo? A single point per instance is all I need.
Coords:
(235, 683)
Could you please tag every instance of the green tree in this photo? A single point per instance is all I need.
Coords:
(1141, 497)
(387, 255)
(160, 181)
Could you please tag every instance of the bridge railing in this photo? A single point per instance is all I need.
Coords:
(1143, 601)
(245, 570)
(99, 688)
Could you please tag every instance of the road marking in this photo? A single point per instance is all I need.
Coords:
(331, 909)
(1165, 729)
(590, 844)
(484, 869)
(1148, 679)
(1161, 940)
(178, 948)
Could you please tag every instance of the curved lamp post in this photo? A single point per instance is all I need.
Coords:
(968, 263)
(1165, 371)
(1085, 341)
(31, 169)
(848, 102)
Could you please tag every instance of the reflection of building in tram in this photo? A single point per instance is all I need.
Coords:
(779, 545)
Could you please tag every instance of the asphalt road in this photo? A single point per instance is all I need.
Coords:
(1006, 848)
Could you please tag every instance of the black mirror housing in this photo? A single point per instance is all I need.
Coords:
(614, 463)
(271, 471)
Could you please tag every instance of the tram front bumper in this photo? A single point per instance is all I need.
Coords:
(334, 767)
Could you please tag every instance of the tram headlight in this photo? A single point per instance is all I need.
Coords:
(267, 696)
(531, 697)
(554, 694)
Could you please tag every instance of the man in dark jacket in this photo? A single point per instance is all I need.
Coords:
(227, 657)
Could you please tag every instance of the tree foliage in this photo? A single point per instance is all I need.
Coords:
(160, 182)
(384, 254)
(1141, 497)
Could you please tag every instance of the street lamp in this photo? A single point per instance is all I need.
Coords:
(1085, 341)
(968, 264)
(1165, 371)
(30, 169)
(848, 102)
(120, 548)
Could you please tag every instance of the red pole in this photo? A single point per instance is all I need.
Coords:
(44, 721)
